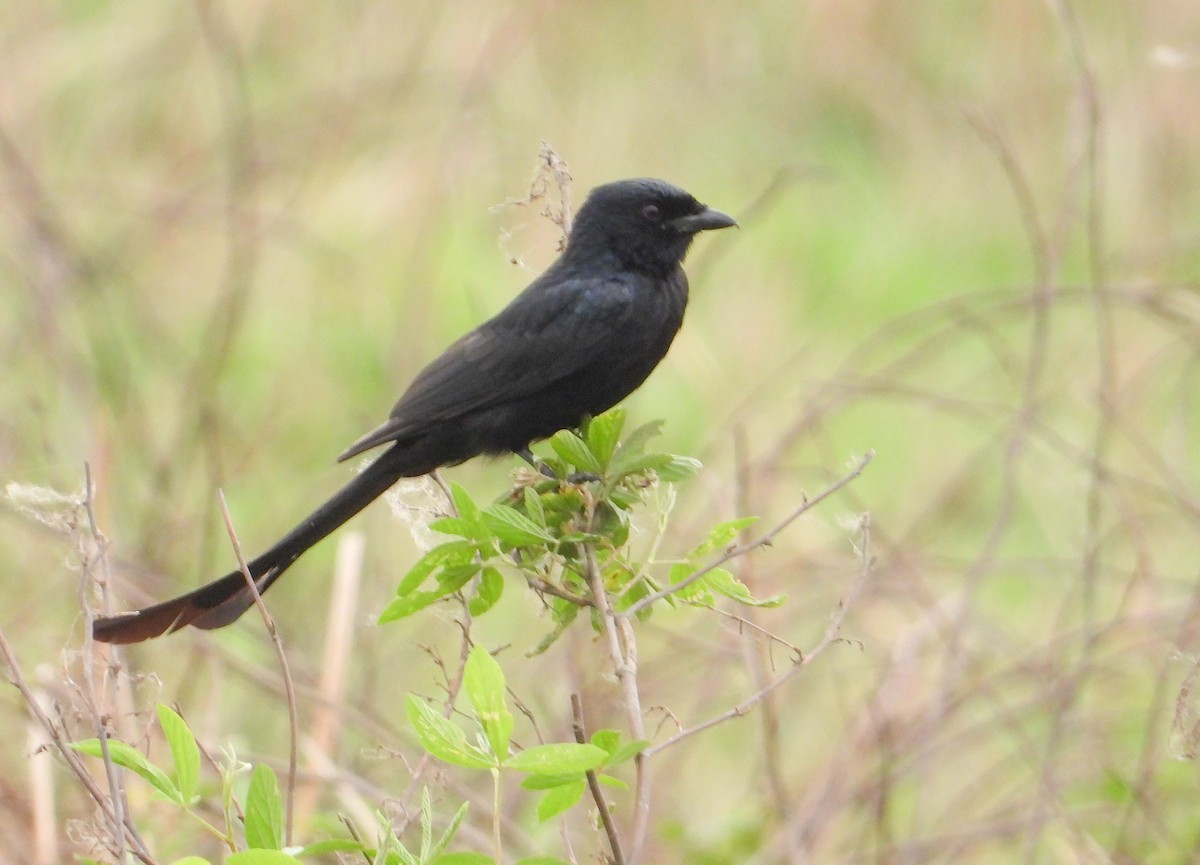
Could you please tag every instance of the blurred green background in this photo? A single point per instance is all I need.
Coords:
(232, 232)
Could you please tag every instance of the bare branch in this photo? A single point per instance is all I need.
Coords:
(73, 760)
(285, 671)
(622, 649)
(741, 549)
(100, 543)
(610, 829)
(831, 635)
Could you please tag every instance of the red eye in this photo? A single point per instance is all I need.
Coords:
(651, 212)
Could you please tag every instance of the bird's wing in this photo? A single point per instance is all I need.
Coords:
(551, 330)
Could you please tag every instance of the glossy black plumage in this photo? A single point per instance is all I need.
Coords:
(578, 340)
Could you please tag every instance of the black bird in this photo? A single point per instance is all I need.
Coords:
(582, 337)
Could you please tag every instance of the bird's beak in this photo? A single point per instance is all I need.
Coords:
(706, 220)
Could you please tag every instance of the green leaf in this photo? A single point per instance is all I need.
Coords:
(610, 781)
(491, 586)
(261, 857)
(394, 853)
(426, 824)
(572, 449)
(580, 538)
(625, 498)
(638, 587)
(610, 520)
(632, 462)
(449, 553)
(464, 504)
(451, 830)
(558, 759)
(609, 740)
(725, 583)
(443, 739)
(332, 845)
(547, 782)
(514, 528)
(626, 752)
(463, 859)
(695, 592)
(483, 681)
(533, 506)
(454, 577)
(398, 608)
(564, 613)
(449, 580)
(559, 799)
(721, 536)
(679, 469)
(636, 441)
(561, 507)
(133, 760)
(185, 753)
(453, 526)
(617, 528)
(603, 433)
(264, 810)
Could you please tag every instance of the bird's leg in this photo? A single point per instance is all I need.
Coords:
(526, 454)
(576, 478)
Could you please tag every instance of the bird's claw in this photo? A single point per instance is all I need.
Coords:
(575, 478)
(535, 463)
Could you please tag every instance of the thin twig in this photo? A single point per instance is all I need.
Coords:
(115, 788)
(556, 167)
(72, 758)
(437, 478)
(1049, 787)
(831, 635)
(759, 654)
(622, 649)
(285, 671)
(741, 549)
(610, 829)
(549, 168)
(1022, 190)
(743, 622)
(546, 587)
(453, 686)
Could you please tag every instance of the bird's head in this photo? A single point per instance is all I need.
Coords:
(646, 224)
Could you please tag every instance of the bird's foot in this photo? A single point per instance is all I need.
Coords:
(527, 455)
(576, 478)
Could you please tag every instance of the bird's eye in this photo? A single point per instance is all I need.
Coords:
(652, 213)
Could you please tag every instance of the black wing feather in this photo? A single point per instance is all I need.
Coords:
(550, 331)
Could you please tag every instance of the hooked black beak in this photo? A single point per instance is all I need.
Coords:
(706, 220)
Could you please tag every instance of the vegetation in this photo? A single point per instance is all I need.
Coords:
(231, 234)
